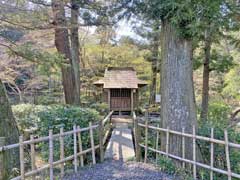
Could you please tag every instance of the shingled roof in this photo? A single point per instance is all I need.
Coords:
(120, 77)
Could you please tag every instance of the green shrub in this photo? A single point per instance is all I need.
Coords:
(44, 118)
(26, 115)
(167, 165)
(218, 119)
(102, 108)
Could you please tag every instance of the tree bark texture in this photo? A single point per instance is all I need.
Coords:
(63, 47)
(75, 47)
(178, 102)
(206, 73)
(9, 130)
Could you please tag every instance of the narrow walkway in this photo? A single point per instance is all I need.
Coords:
(118, 170)
(120, 146)
(117, 165)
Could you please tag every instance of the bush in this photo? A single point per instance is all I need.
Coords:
(167, 165)
(26, 115)
(218, 119)
(102, 108)
(44, 118)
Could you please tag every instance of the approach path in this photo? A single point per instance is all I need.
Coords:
(119, 170)
(120, 146)
(117, 166)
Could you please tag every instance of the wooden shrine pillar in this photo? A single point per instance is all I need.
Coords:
(109, 98)
(132, 100)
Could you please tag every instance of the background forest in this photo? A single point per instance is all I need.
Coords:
(37, 36)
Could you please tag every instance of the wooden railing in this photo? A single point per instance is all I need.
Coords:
(193, 161)
(78, 151)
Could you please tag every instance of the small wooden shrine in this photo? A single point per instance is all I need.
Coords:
(120, 86)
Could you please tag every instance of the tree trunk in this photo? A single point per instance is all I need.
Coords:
(9, 130)
(178, 102)
(206, 72)
(63, 47)
(75, 50)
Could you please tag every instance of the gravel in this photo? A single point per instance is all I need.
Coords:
(112, 170)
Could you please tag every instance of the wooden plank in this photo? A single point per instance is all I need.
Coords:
(50, 154)
(183, 147)
(101, 149)
(21, 153)
(108, 117)
(229, 174)
(167, 141)
(137, 141)
(157, 142)
(80, 147)
(2, 161)
(92, 143)
(211, 154)
(146, 139)
(120, 146)
(61, 140)
(194, 154)
(75, 149)
(33, 161)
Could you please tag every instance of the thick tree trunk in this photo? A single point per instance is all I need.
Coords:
(9, 130)
(75, 50)
(155, 59)
(63, 47)
(206, 72)
(178, 103)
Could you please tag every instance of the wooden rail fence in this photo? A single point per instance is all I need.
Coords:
(228, 172)
(77, 148)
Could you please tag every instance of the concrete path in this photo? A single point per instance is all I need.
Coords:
(120, 146)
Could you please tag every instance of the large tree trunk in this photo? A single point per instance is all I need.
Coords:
(63, 47)
(9, 130)
(178, 103)
(206, 72)
(155, 58)
(75, 50)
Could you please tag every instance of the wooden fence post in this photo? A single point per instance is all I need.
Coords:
(3, 172)
(61, 140)
(92, 143)
(194, 154)
(51, 154)
(227, 155)
(75, 148)
(21, 154)
(101, 148)
(157, 142)
(33, 162)
(183, 147)
(137, 141)
(212, 154)
(80, 146)
(146, 139)
(167, 141)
